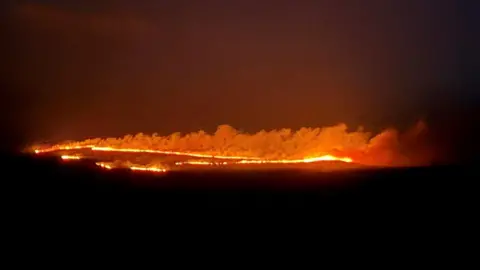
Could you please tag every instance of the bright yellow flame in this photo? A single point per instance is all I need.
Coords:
(68, 157)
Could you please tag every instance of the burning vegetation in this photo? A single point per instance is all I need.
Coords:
(227, 146)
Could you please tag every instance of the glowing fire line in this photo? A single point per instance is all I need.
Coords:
(133, 150)
(133, 168)
(245, 160)
(235, 159)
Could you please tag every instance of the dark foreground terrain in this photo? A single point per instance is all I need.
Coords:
(49, 184)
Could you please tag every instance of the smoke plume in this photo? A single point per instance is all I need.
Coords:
(388, 148)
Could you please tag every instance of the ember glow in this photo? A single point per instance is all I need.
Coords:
(104, 165)
(227, 147)
(109, 166)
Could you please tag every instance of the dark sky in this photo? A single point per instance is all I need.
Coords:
(75, 69)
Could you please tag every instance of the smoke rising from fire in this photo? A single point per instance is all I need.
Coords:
(388, 148)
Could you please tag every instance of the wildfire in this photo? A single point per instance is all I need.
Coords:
(227, 146)
(239, 159)
(160, 168)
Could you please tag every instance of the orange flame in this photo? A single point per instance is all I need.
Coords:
(243, 160)
(284, 146)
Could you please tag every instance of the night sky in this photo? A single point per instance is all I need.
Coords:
(76, 69)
